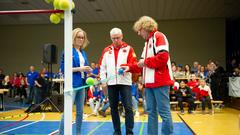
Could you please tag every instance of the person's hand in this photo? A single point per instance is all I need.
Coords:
(87, 69)
(141, 63)
(104, 85)
(125, 68)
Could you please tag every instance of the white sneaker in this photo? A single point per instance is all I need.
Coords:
(85, 116)
(137, 114)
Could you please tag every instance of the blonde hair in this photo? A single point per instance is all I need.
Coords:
(74, 34)
(145, 22)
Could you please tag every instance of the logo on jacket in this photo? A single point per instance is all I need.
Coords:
(150, 45)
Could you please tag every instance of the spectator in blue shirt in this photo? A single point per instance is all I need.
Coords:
(31, 76)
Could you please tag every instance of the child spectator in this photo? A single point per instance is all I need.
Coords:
(193, 85)
(206, 96)
(94, 97)
(184, 94)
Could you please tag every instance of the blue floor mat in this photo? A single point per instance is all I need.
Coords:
(88, 128)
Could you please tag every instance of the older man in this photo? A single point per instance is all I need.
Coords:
(118, 85)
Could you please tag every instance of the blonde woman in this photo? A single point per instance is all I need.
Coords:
(156, 67)
(80, 70)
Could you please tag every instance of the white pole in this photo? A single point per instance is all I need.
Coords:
(68, 71)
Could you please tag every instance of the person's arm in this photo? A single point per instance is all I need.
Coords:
(158, 61)
(103, 71)
(210, 93)
(178, 93)
(103, 66)
(131, 65)
(27, 81)
(36, 82)
(162, 52)
(82, 69)
(189, 92)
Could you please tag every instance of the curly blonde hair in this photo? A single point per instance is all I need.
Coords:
(145, 22)
(74, 34)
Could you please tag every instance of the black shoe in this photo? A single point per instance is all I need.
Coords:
(181, 111)
(190, 111)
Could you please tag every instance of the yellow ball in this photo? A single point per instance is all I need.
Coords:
(64, 4)
(54, 18)
(90, 81)
(56, 4)
(61, 15)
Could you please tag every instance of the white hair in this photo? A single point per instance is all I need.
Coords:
(115, 31)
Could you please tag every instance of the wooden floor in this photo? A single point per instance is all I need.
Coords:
(223, 122)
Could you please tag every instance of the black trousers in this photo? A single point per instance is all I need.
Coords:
(123, 92)
(206, 100)
(189, 100)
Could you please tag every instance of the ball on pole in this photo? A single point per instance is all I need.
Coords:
(64, 4)
(56, 4)
(54, 18)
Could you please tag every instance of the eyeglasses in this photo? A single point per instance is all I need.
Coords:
(116, 38)
(78, 37)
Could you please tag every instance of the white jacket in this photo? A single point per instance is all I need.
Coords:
(108, 68)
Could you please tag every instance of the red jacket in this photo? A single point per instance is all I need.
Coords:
(156, 58)
(194, 86)
(20, 83)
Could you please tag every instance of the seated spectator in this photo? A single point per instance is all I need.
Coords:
(94, 98)
(184, 94)
(187, 71)
(193, 85)
(206, 96)
(6, 82)
(105, 106)
(202, 74)
(179, 73)
(194, 68)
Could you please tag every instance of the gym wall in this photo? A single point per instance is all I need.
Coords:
(190, 40)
